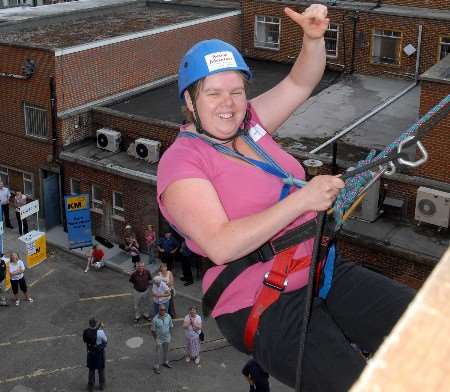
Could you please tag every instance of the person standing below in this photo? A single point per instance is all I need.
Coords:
(161, 327)
(161, 294)
(131, 245)
(256, 377)
(192, 325)
(141, 280)
(167, 278)
(5, 195)
(19, 201)
(96, 258)
(167, 247)
(16, 272)
(95, 339)
(150, 241)
(186, 262)
(3, 301)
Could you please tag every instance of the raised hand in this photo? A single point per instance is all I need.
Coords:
(313, 20)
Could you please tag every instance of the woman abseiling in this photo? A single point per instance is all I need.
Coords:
(228, 187)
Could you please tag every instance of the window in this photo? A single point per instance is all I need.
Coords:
(4, 177)
(331, 40)
(97, 197)
(36, 123)
(75, 186)
(386, 47)
(27, 184)
(267, 32)
(118, 209)
(444, 47)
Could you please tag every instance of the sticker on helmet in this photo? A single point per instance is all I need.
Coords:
(220, 60)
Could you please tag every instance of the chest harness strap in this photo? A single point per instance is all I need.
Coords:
(275, 281)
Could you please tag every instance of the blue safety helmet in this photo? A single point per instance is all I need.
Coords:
(207, 58)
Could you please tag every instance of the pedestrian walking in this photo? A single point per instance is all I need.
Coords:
(141, 279)
(161, 332)
(3, 301)
(192, 325)
(19, 201)
(167, 247)
(96, 340)
(16, 272)
(95, 260)
(150, 241)
(161, 294)
(5, 195)
(186, 263)
(256, 376)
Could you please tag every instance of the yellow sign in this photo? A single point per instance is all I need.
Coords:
(8, 277)
(76, 203)
(37, 252)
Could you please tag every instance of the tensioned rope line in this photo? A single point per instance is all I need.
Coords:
(389, 154)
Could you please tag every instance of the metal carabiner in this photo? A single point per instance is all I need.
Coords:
(388, 169)
(421, 149)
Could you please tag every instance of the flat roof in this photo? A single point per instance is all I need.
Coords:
(439, 72)
(162, 103)
(95, 24)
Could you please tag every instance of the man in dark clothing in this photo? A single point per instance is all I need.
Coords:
(256, 377)
(186, 260)
(95, 340)
(141, 280)
(167, 247)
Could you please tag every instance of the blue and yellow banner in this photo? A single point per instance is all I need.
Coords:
(78, 215)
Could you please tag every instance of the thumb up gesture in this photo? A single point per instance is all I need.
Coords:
(313, 20)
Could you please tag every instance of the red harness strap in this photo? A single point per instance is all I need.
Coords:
(275, 281)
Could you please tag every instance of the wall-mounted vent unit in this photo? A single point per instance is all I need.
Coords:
(369, 209)
(146, 149)
(433, 206)
(108, 139)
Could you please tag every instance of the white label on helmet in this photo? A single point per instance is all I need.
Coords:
(220, 60)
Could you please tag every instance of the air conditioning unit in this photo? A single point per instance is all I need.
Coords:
(108, 139)
(146, 149)
(433, 207)
(369, 209)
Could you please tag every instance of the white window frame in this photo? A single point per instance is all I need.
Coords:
(72, 180)
(266, 22)
(27, 178)
(118, 211)
(332, 28)
(442, 45)
(4, 173)
(36, 121)
(380, 35)
(96, 204)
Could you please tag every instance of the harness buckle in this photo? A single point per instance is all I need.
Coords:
(277, 284)
(266, 252)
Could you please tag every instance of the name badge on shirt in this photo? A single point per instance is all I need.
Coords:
(256, 132)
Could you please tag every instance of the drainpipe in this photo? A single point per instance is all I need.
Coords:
(355, 19)
(419, 46)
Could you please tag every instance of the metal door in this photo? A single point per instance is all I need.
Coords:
(51, 201)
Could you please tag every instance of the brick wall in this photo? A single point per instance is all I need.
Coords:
(366, 22)
(86, 76)
(437, 140)
(139, 201)
(16, 149)
(407, 271)
(437, 4)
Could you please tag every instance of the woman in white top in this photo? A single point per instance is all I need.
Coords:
(192, 325)
(19, 201)
(167, 277)
(16, 271)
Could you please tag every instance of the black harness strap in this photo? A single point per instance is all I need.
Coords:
(264, 253)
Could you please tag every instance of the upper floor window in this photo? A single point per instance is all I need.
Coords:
(27, 184)
(444, 47)
(75, 186)
(4, 176)
(118, 208)
(267, 32)
(386, 47)
(331, 40)
(97, 197)
(36, 122)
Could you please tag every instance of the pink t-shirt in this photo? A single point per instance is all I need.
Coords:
(243, 190)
